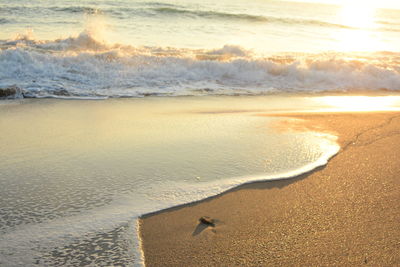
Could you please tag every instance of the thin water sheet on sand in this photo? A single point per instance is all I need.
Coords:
(76, 174)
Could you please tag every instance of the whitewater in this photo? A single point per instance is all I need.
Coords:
(85, 67)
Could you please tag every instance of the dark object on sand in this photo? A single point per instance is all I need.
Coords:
(207, 220)
(10, 92)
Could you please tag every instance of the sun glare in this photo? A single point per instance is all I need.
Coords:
(360, 33)
(361, 103)
(357, 14)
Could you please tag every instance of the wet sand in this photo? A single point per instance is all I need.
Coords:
(344, 214)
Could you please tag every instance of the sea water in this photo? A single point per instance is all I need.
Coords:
(75, 175)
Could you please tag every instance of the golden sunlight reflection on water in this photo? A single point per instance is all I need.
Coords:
(360, 103)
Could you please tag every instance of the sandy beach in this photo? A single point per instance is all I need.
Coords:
(344, 214)
(124, 123)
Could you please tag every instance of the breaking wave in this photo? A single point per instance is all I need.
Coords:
(83, 66)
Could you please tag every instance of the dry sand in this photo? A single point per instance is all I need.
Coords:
(344, 214)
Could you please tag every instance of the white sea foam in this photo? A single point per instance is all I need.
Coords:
(83, 66)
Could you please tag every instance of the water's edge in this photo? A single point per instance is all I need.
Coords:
(285, 178)
(187, 194)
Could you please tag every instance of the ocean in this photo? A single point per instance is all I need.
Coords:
(129, 107)
(102, 49)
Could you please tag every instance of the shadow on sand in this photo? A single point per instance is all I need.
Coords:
(200, 228)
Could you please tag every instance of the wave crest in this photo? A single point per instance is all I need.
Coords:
(85, 41)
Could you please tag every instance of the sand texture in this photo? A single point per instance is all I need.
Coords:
(344, 214)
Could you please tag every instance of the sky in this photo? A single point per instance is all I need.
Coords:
(372, 3)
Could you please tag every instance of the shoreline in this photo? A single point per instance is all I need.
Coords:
(166, 235)
(15, 93)
(90, 121)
